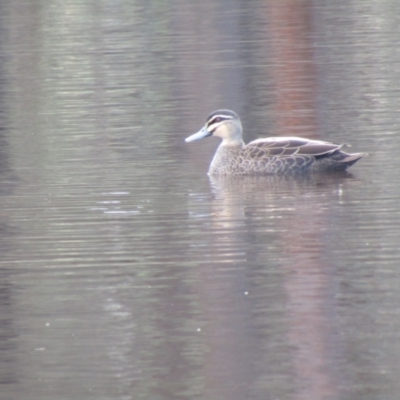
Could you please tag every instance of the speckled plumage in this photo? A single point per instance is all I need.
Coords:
(269, 156)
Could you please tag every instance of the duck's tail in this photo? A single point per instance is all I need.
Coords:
(349, 159)
(336, 161)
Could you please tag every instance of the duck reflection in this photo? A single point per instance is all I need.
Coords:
(269, 283)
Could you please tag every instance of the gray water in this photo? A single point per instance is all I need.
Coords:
(126, 272)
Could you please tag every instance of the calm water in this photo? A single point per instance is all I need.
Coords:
(126, 273)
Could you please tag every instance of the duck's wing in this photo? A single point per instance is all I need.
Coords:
(286, 154)
(276, 146)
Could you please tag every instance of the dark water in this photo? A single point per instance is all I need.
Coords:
(126, 273)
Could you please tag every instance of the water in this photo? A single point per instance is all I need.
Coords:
(126, 273)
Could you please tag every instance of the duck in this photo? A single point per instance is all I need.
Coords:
(268, 156)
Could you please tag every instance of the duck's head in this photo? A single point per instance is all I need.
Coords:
(223, 123)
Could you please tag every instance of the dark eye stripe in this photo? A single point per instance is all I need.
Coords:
(218, 118)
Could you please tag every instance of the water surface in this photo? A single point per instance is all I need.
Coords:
(128, 273)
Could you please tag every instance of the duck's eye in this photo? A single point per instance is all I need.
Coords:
(216, 120)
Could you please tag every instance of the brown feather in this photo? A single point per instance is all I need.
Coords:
(318, 149)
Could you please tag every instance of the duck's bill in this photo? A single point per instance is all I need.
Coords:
(199, 135)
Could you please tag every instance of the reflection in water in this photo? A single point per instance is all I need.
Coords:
(294, 70)
(298, 210)
(125, 273)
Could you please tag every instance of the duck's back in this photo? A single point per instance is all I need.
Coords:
(281, 155)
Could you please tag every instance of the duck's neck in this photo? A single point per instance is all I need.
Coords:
(225, 158)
